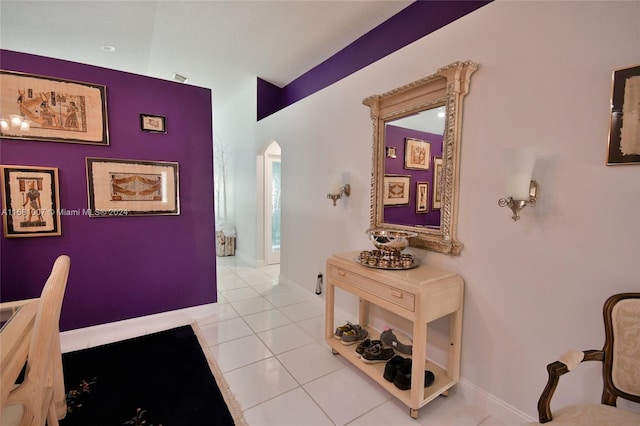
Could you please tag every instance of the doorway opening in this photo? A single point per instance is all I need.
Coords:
(271, 192)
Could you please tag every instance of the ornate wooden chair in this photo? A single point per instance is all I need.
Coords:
(40, 398)
(620, 359)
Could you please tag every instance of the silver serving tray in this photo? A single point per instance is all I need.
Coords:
(390, 265)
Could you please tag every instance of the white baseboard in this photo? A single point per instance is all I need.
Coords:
(249, 260)
(492, 405)
(102, 334)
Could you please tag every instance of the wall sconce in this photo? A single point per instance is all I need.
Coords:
(345, 191)
(521, 189)
(339, 187)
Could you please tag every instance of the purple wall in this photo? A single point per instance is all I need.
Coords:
(410, 24)
(406, 215)
(121, 267)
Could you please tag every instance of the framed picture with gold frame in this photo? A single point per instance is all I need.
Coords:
(36, 107)
(624, 127)
(396, 190)
(132, 187)
(30, 201)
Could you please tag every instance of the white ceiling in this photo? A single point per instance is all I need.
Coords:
(222, 45)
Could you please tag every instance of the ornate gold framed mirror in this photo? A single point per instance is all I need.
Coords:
(416, 157)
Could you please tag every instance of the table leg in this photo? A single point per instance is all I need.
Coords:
(330, 292)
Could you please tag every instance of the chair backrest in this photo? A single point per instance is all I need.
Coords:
(47, 322)
(621, 367)
(41, 395)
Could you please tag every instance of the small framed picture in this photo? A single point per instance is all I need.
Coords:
(30, 201)
(417, 154)
(153, 123)
(422, 197)
(391, 151)
(624, 129)
(396, 190)
(437, 183)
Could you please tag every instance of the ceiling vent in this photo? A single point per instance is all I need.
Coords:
(179, 78)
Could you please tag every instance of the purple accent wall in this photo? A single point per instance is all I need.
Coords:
(122, 267)
(406, 215)
(410, 24)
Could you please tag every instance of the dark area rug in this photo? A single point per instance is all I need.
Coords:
(161, 379)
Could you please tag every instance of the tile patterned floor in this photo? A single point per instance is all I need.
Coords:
(268, 341)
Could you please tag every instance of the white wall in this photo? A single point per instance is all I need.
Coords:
(235, 125)
(534, 288)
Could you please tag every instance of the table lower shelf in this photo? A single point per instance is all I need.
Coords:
(441, 384)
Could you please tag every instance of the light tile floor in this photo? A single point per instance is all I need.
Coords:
(268, 340)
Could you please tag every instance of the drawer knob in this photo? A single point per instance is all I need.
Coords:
(341, 272)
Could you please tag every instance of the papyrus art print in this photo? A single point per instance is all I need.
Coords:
(153, 123)
(396, 190)
(437, 183)
(624, 132)
(422, 197)
(30, 201)
(417, 154)
(132, 187)
(49, 109)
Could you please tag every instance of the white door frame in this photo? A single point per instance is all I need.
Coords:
(272, 257)
(270, 148)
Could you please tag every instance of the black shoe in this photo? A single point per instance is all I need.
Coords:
(403, 377)
(366, 343)
(377, 353)
(391, 368)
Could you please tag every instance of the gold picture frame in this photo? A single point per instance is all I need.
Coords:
(132, 187)
(396, 190)
(417, 154)
(40, 108)
(30, 201)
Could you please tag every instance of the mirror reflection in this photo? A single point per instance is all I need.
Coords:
(413, 152)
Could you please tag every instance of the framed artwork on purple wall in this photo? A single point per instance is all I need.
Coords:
(35, 107)
(396, 190)
(417, 154)
(422, 197)
(30, 201)
(132, 187)
(624, 129)
(153, 123)
(437, 183)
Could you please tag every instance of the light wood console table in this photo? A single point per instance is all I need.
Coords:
(421, 295)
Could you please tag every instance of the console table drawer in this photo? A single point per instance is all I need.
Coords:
(391, 294)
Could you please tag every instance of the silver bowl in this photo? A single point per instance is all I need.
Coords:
(389, 239)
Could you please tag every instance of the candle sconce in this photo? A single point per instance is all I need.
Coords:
(521, 190)
(517, 205)
(345, 191)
